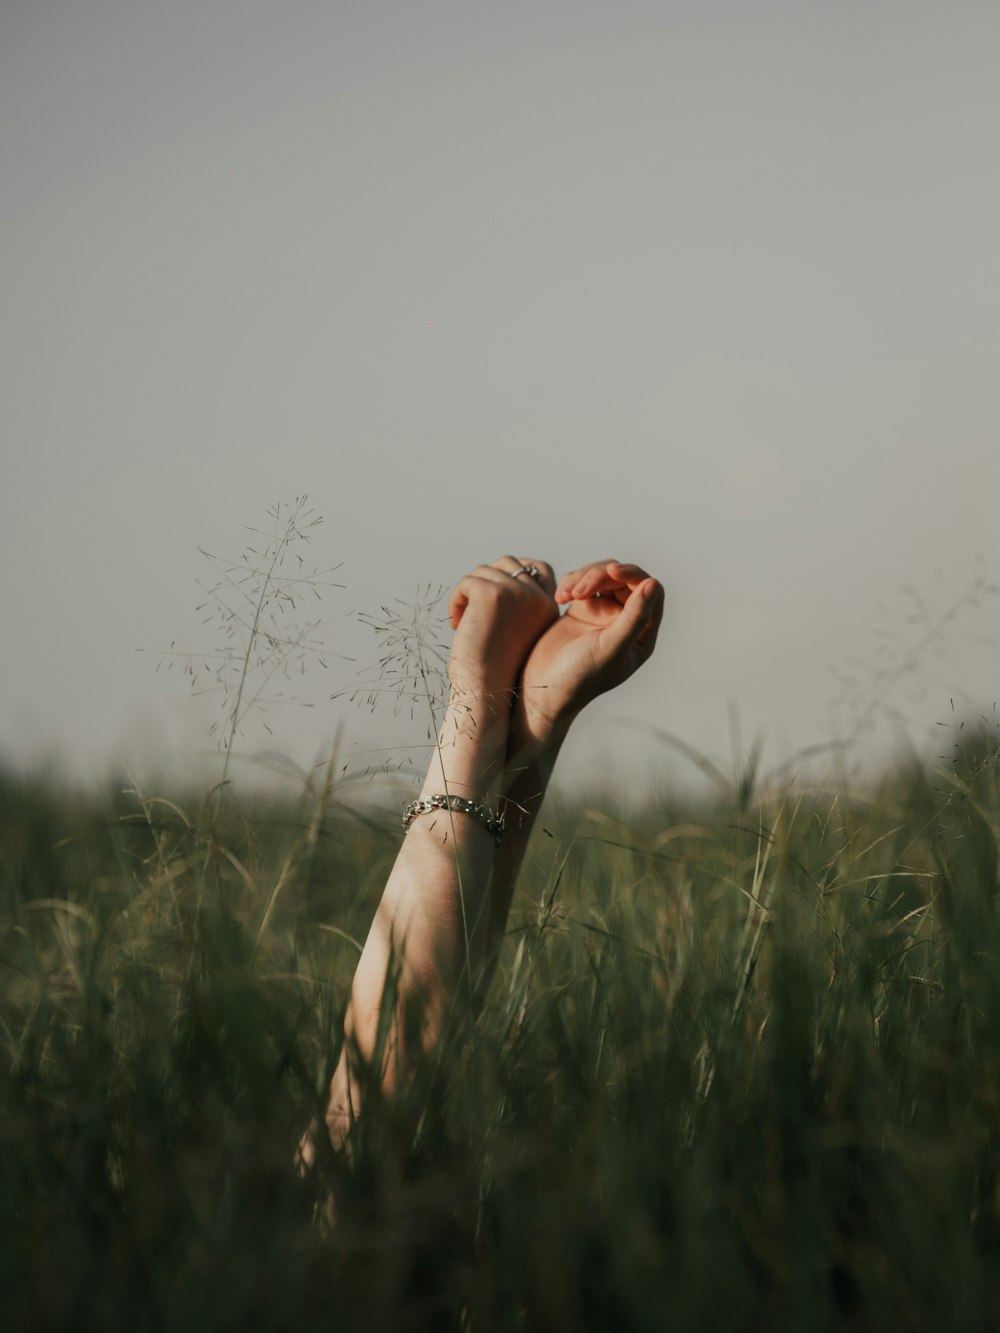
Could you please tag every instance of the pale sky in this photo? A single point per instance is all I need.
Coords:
(712, 286)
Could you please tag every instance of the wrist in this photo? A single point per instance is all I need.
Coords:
(468, 757)
(484, 698)
(537, 728)
(533, 744)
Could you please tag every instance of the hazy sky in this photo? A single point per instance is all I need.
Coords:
(712, 286)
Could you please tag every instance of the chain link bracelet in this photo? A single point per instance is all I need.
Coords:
(495, 824)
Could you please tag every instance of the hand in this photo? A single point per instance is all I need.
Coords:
(496, 618)
(609, 629)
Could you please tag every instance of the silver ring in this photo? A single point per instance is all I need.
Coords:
(531, 570)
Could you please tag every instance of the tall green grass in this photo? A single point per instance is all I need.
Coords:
(740, 1068)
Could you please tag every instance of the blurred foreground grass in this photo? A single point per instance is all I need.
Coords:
(740, 1069)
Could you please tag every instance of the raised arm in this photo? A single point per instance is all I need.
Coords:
(612, 617)
(519, 675)
(431, 930)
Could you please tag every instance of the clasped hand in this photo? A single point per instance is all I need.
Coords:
(511, 638)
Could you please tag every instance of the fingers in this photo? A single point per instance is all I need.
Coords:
(578, 578)
(498, 612)
(638, 624)
(604, 577)
(516, 566)
(467, 587)
(502, 572)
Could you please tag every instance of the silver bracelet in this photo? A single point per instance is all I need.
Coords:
(494, 823)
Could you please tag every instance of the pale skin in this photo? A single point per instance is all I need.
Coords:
(520, 673)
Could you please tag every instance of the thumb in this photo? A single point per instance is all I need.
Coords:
(638, 622)
(459, 601)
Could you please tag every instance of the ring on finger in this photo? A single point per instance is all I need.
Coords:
(531, 570)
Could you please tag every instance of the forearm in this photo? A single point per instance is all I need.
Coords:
(532, 751)
(431, 927)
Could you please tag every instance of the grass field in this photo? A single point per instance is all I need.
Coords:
(740, 1069)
